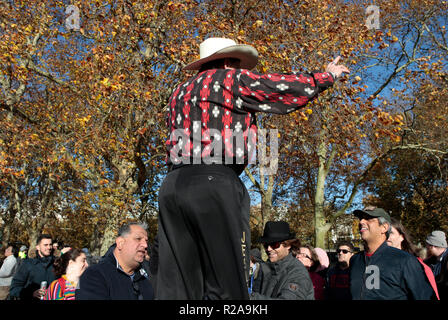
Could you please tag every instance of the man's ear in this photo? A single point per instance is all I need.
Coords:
(120, 242)
(386, 227)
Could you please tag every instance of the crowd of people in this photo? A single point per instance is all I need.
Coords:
(202, 249)
(391, 267)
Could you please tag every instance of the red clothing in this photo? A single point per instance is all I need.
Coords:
(206, 110)
(430, 276)
(318, 285)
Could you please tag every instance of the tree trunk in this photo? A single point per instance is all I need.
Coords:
(110, 233)
(321, 225)
(319, 199)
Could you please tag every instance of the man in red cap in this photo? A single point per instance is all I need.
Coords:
(204, 236)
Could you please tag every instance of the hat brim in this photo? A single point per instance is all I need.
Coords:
(358, 213)
(271, 239)
(248, 56)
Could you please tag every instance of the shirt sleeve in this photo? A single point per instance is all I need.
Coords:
(280, 93)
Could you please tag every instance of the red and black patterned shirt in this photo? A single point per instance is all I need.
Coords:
(211, 116)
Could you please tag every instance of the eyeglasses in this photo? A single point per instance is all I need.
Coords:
(304, 255)
(273, 245)
(344, 251)
(136, 289)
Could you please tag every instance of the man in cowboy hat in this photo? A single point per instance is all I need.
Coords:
(204, 235)
(286, 276)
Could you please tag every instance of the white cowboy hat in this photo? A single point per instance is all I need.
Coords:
(219, 48)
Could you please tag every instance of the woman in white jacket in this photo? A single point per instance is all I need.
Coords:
(7, 271)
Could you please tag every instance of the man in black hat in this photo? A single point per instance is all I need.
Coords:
(286, 277)
(382, 272)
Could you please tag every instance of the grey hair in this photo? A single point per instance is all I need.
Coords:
(382, 221)
(125, 229)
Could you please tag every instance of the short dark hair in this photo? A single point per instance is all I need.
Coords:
(14, 249)
(126, 228)
(347, 244)
(218, 64)
(43, 236)
(295, 246)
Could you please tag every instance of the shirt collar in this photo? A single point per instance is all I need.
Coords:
(137, 271)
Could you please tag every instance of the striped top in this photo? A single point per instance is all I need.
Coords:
(61, 289)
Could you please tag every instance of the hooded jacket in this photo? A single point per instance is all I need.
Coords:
(30, 275)
(107, 281)
(286, 279)
(388, 274)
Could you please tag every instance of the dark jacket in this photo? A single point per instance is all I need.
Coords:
(286, 279)
(389, 274)
(439, 267)
(30, 275)
(107, 281)
(338, 284)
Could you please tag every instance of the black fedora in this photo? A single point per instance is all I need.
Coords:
(275, 231)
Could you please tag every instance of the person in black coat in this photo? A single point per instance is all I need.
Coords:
(26, 283)
(119, 275)
(382, 272)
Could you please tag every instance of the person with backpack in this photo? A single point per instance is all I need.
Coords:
(68, 268)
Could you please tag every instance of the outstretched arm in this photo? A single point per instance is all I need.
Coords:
(284, 93)
(335, 69)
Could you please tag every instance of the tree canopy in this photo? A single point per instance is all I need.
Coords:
(82, 110)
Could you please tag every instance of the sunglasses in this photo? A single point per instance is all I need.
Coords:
(304, 255)
(273, 245)
(344, 251)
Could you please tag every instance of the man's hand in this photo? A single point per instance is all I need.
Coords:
(39, 293)
(64, 250)
(335, 69)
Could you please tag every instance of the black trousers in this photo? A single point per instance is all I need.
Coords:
(204, 235)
